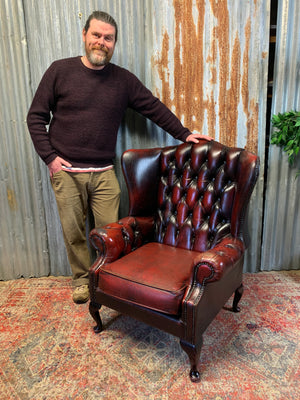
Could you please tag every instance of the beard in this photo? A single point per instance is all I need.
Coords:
(98, 56)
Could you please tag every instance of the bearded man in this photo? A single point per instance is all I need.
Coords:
(83, 100)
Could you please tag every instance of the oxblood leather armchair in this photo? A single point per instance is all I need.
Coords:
(178, 257)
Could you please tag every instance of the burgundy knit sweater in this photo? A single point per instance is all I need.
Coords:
(85, 108)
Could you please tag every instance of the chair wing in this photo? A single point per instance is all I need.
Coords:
(141, 173)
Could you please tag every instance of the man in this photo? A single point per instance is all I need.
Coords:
(84, 100)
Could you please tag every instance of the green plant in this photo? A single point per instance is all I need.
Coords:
(287, 134)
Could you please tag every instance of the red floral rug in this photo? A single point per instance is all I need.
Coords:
(49, 349)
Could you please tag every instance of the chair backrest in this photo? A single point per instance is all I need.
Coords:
(203, 194)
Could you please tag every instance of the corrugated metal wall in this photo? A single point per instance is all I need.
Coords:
(23, 240)
(281, 235)
(207, 60)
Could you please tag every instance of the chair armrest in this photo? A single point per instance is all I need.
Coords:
(211, 265)
(120, 238)
(108, 242)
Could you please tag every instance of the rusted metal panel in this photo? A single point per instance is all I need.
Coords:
(211, 62)
(210, 67)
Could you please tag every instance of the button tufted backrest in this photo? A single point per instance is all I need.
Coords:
(203, 194)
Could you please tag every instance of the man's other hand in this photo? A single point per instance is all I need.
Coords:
(57, 164)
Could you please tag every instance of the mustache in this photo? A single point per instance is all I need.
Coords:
(102, 48)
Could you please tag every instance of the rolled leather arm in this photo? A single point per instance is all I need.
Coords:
(108, 242)
(120, 238)
(211, 265)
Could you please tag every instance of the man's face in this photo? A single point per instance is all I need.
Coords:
(99, 42)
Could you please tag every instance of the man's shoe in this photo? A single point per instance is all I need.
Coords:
(81, 294)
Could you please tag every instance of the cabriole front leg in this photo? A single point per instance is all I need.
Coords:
(193, 351)
(237, 297)
(94, 311)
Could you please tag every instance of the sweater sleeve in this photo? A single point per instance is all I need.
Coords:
(144, 102)
(39, 116)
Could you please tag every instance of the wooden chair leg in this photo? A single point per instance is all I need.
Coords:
(237, 297)
(94, 311)
(193, 351)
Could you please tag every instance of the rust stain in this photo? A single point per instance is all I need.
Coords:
(233, 96)
(245, 78)
(211, 111)
(188, 53)
(163, 70)
(217, 98)
(252, 127)
(250, 107)
(221, 39)
(12, 202)
(188, 102)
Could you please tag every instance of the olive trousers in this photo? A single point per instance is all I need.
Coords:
(75, 193)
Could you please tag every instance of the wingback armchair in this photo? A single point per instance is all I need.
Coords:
(177, 257)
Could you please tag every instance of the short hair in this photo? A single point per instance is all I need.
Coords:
(104, 17)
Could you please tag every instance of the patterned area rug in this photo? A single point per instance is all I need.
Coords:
(49, 349)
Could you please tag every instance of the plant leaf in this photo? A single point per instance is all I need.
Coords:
(286, 133)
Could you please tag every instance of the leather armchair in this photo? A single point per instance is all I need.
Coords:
(177, 257)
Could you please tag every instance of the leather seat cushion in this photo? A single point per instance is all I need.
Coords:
(154, 276)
